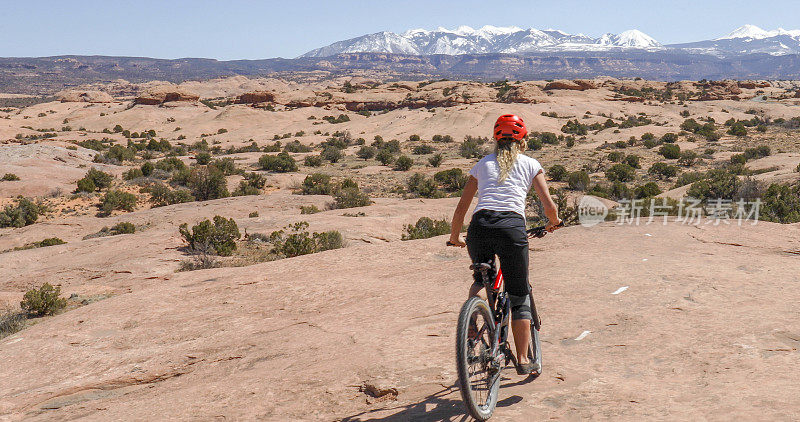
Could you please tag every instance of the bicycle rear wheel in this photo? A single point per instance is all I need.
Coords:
(535, 346)
(474, 362)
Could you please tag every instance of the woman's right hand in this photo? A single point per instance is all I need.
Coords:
(550, 227)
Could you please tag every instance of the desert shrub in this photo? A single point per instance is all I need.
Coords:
(717, 183)
(385, 156)
(663, 170)
(687, 158)
(575, 127)
(670, 151)
(50, 241)
(147, 168)
(425, 187)
(452, 180)
(650, 143)
(25, 212)
(316, 184)
(414, 138)
(578, 180)
(633, 161)
(647, 190)
(10, 177)
(203, 158)
(557, 173)
(332, 154)
(535, 144)
(206, 183)
(295, 240)
(170, 164)
(470, 148)
(621, 172)
(669, 138)
(245, 189)
(366, 152)
(43, 301)
(781, 204)
(403, 163)
(309, 209)
(738, 159)
(121, 228)
(219, 235)
(11, 321)
(620, 190)
(131, 174)
(161, 195)
(615, 156)
(98, 179)
(426, 227)
(423, 150)
(797, 169)
(757, 152)
(436, 160)
(296, 146)
(117, 200)
(737, 129)
(312, 161)
(225, 165)
(350, 198)
(688, 178)
(119, 153)
(442, 138)
(281, 163)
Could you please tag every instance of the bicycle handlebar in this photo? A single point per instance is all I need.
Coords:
(537, 232)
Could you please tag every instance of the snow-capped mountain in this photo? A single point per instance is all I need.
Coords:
(748, 39)
(487, 39)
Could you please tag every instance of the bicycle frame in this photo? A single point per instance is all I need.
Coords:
(501, 307)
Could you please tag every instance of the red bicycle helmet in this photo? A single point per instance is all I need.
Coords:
(509, 126)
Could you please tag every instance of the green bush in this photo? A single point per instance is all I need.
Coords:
(94, 178)
(385, 156)
(669, 138)
(717, 183)
(161, 195)
(738, 159)
(403, 163)
(11, 322)
(670, 151)
(221, 236)
(620, 190)
(117, 200)
(24, 213)
(414, 138)
(131, 174)
(295, 240)
(309, 209)
(332, 154)
(534, 144)
(621, 172)
(557, 173)
(423, 150)
(781, 204)
(737, 129)
(10, 177)
(757, 152)
(663, 170)
(86, 185)
(43, 301)
(122, 228)
(281, 163)
(147, 168)
(616, 156)
(350, 198)
(296, 147)
(452, 180)
(687, 158)
(170, 164)
(469, 148)
(578, 180)
(316, 184)
(312, 161)
(426, 227)
(203, 158)
(366, 152)
(206, 183)
(245, 189)
(436, 160)
(633, 161)
(647, 190)
(50, 241)
(575, 127)
(688, 178)
(423, 186)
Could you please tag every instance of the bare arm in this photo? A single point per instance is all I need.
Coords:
(550, 208)
(461, 210)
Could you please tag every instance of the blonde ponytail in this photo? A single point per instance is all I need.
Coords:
(506, 152)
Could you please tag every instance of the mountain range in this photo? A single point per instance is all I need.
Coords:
(749, 39)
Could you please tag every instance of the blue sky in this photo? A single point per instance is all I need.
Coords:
(239, 29)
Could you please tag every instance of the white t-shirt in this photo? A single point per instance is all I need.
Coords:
(511, 194)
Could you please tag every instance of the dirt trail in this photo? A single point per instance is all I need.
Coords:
(707, 329)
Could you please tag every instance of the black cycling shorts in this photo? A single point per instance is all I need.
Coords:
(502, 233)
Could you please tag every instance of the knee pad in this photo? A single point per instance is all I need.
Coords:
(520, 307)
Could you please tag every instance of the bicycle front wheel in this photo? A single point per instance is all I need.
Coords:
(474, 361)
(535, 346)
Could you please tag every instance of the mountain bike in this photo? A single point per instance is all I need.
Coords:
(482, 347)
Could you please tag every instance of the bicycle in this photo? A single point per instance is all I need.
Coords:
(482, 348)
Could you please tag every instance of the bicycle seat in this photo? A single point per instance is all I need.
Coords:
(480, 266)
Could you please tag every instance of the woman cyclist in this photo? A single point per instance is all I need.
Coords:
(502, 181)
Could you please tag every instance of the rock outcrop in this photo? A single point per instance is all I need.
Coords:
(164, 94)
(84, 96)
